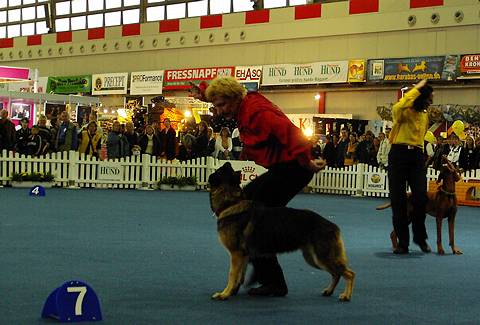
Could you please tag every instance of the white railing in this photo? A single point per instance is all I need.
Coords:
(144, 172)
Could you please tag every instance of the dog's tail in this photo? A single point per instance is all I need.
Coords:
(384, 206)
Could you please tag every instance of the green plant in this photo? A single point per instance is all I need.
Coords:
(33, 177)
(179, 181)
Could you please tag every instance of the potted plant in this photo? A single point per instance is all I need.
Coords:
(31, 179)
(183, 183)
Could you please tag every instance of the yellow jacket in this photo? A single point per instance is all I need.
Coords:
(84, 143)
(409, 126)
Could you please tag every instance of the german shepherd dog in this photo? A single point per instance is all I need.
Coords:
(441, 204)
(247, 228)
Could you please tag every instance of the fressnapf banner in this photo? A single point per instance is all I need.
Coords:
(302, 74)
(146, 82)
(109, 83)
(469, 66)
(413, 69)
(182, 78)
(249, 77)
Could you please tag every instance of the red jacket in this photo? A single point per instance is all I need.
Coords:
(268, 136)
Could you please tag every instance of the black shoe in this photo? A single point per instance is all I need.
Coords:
(268, 291)
(423, 246)
(400, 250)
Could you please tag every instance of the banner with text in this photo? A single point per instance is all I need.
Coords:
(413, 69)
(110, 171)
(146, 82)
(469, 66)
(110, 83)
(249, 77)
(375, 181)
(357, 71)
(301, 74)
(69, 85)
(181, 78)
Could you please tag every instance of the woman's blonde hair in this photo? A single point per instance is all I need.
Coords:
(225, 87)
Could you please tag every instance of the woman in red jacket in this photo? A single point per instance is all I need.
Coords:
(274, 142)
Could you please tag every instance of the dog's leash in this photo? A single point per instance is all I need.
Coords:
(447, 192)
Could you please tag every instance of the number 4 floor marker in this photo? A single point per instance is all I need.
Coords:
(74, 301)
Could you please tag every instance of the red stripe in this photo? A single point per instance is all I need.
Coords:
(6, 42)
(211, 21)
(363, 6)
(131, 30)
(425, 3)
(64, 37)
(34, 40)
(169, 26)
(96, 33)
(308, 11)
(257, 16)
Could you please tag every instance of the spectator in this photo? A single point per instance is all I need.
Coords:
(330, 150)
(200, 147)
(7, 132)
(316, 148)
(342, 148)
(223, 144)
(477, 153)
(45, 133)
(67, 137)
(185, 150)
(466, 160)
(33, 143)
(168, 140)
(383, 150)
(441, 149)
(117, 143)
(364, 151)
(132, 137)
(374, 153)
(455, 148)
(149, 142)
(21, 137)
(90, 140)
(237, 144)
(211, 141)
(350, 157)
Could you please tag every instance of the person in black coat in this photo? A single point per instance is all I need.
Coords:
(467, 157)
(149, 142)
(168, 139)
(200, 146)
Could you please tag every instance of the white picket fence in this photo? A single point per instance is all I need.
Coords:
(144, 172)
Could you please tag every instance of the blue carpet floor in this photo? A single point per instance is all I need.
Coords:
(154, 258)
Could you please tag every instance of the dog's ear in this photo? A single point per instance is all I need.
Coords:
(227, 165)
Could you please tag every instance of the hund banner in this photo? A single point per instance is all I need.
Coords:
(304, 74)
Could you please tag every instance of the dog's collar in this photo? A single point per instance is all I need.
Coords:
(447, 192)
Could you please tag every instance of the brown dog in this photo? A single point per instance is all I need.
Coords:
(441, 204)
(246, 228)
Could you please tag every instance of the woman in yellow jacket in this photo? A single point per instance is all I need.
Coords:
(90, 140)
(406, 165)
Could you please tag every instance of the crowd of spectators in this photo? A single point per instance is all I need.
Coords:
(121, 140)
(161, 140)
(347, 148)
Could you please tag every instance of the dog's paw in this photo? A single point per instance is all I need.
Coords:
(344, 297)
(327, 293)
(441, 251)
(219, 296)
(456, 251)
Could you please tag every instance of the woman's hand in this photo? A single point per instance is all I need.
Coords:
(317, 165)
